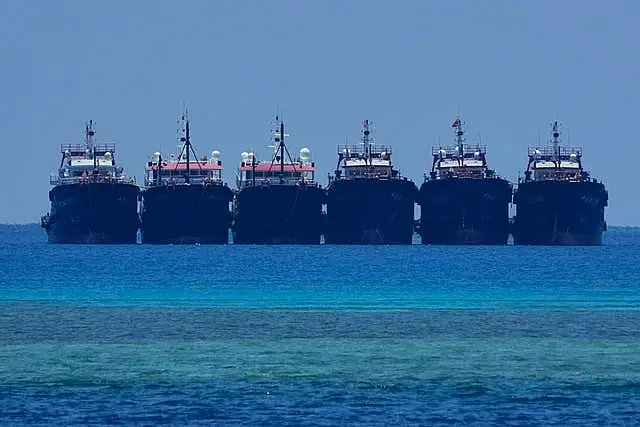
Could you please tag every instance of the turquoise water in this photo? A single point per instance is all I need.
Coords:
(324, 335)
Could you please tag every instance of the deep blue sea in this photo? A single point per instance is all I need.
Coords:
(318, 335)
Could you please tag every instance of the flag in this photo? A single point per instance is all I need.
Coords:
(365, 124)
(555, 126)
(456, 123)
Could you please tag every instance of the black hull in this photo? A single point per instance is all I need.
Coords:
(93, 213)
(465, 211)
(370, 211)
(278, 214)
(186, 214)
(559, 213)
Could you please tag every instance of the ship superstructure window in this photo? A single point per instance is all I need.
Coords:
(356, 171)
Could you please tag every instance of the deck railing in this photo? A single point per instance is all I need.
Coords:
(89, 179)
(549, 151)
(453, 150)
(360, 149)
(81, 148)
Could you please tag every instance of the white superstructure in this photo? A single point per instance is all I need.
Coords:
(367, 160)
(88, 162)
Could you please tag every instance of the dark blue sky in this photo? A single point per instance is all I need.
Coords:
(508, 67)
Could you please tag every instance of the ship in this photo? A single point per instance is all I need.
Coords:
(278, 201)
(92, 199)
(185, 200)
(558, 202)
(368, 201)
(462, 201)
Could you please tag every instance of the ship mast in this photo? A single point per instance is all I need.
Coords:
(187, 143)
(88, 135)
(186, 146)
(556, 142)
(281, 150)
(459, 140)
(159, 166)
(366, 141)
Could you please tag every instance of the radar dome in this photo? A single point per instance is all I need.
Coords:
(107, 156)
(215, 154)
(156, 157)
(536, 154)
(244, 156)
(305, 154)
(573, 155)
(251, 156)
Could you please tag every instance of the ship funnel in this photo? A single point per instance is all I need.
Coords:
(156, 157)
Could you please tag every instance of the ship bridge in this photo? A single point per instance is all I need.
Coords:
(460, 161)
(556, 163)
(207, 170)
(254, 172)
(283, 169)
(365, 160)
(372, 163)
(88, 162)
